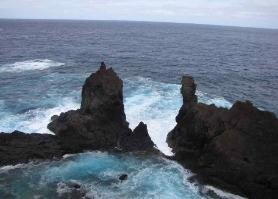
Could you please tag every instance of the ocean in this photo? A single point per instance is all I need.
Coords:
(43, 64)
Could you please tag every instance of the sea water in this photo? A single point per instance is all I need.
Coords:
(44, 64)
(96, 175)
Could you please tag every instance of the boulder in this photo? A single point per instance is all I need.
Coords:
(235, 149)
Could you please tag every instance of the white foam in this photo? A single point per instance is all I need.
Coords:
(35, 121)
(10, 167)
(216, 100)
(62, 188)
(154, 103)
(68, 156)
(35, 64)
(222, 194)
(157, 105)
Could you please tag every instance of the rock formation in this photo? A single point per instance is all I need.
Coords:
(99, 124)
(100, 121)
(123, 177)
(234, 149)
(139, 139)
(18, 147)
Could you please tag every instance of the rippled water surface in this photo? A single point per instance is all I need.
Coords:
(97, 174)
(43, 65)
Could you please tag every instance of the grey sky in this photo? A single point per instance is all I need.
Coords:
(255, 13)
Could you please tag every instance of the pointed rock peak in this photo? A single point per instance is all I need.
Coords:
(102, 89)
(141, 130)
(188, 90)
(138, 140)
(102, 67)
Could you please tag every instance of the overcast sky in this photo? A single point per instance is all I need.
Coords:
(254, 13)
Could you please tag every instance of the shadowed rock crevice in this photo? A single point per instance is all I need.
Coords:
(234, 149)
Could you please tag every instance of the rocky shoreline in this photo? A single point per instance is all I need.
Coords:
(233, 149)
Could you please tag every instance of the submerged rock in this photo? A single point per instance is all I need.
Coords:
(123, 177)
(99, 124)
(234, 149)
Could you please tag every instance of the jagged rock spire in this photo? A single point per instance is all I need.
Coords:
(100, 123)
(188, 90)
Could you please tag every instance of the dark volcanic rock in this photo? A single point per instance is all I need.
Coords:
(18, 147)
(234, 149)
(100, 121)
(100, 124)
(123, 177)
(139, 139)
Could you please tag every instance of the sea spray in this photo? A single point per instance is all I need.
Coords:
(29, 65)
(97, 172)
(154, 103)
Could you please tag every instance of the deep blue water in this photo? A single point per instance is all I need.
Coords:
(43, 65)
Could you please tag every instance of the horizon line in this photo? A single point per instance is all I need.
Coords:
(123, 20)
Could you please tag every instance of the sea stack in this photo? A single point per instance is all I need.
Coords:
(235, 149)
(100, 123)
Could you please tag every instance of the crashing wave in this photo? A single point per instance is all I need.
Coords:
(35, 64)
(155, 103)
(36, 120)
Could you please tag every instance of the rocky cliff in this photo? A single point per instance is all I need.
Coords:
(235, 149)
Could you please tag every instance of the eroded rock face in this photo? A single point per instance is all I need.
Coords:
(235, 149)
(188, 90)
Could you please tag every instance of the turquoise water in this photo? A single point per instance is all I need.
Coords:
(97, 174)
